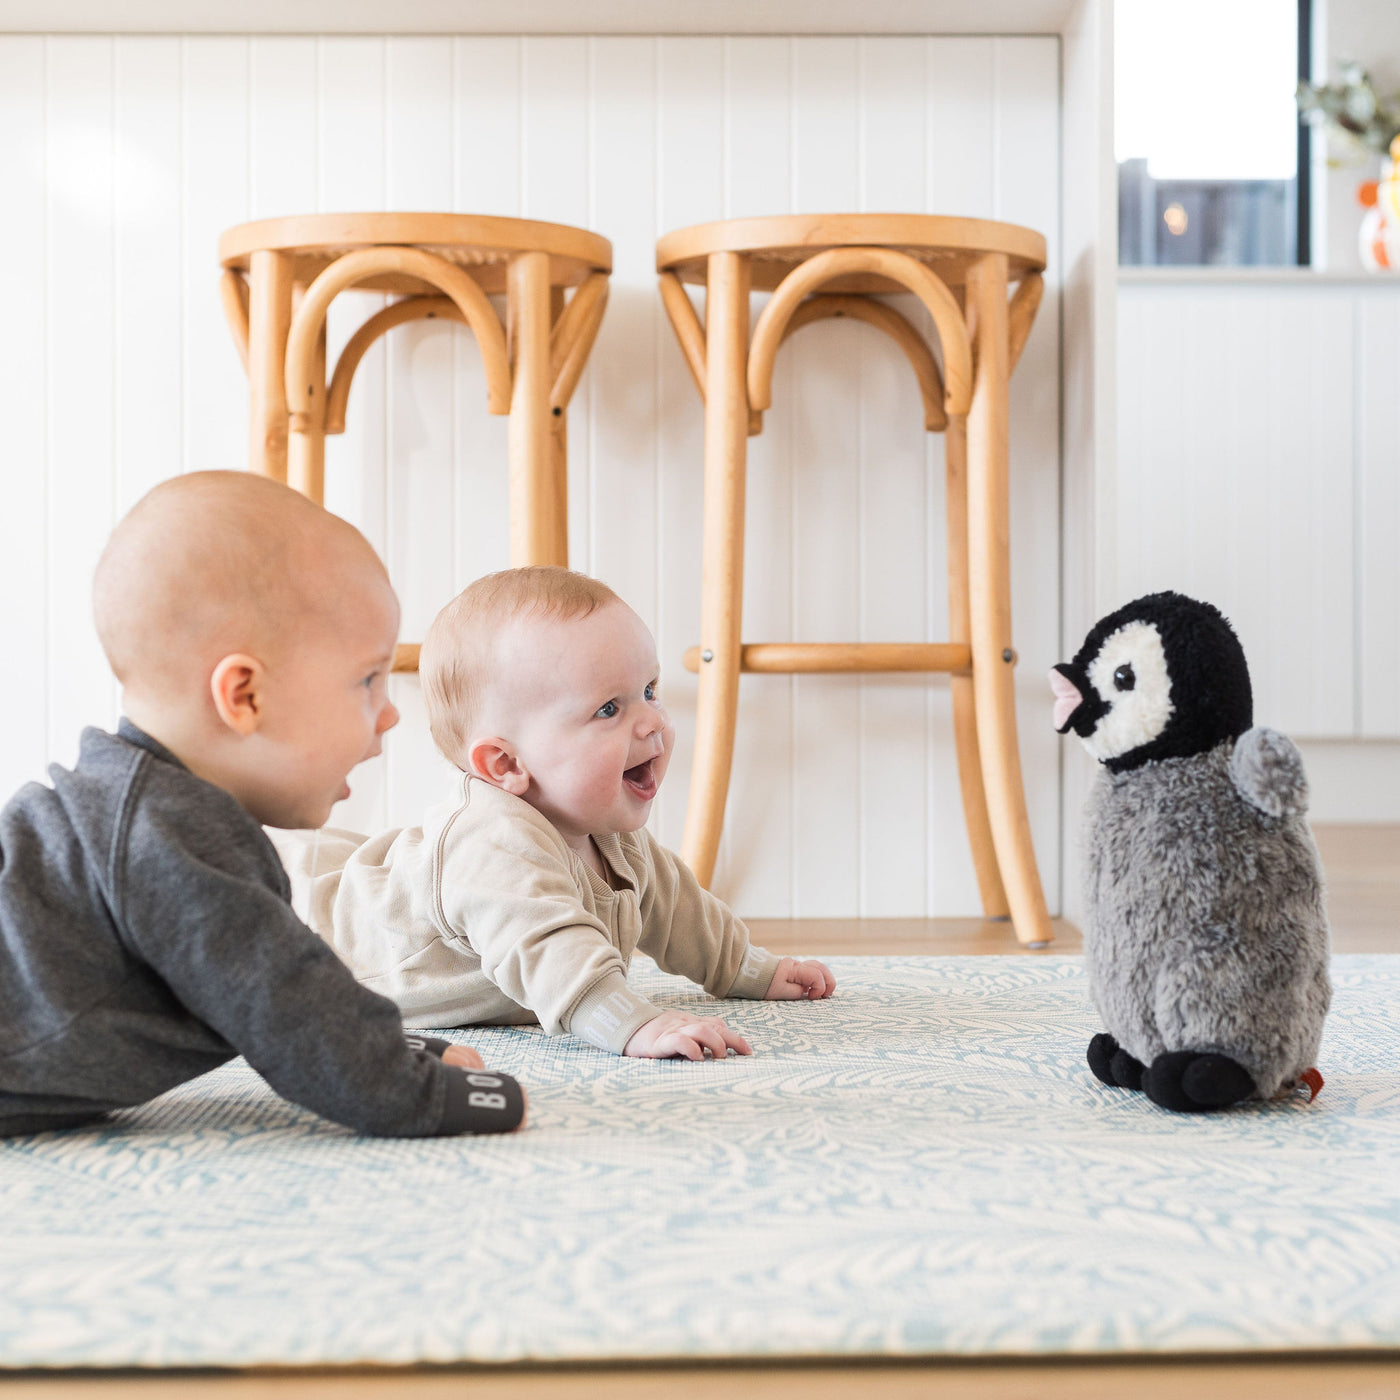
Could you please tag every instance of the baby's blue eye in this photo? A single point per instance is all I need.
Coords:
(651, 691)
(607, 711)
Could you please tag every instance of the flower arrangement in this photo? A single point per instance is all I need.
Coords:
(1352, 109)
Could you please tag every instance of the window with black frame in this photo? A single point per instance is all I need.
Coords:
(1212, 157)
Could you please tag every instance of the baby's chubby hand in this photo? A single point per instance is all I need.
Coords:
(680, 1033)
(463, 1056)
(796, 979)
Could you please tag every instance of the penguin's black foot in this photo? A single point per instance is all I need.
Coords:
(1187, 1082)
(1112, 1064)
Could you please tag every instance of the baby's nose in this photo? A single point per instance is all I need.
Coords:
(388, 717)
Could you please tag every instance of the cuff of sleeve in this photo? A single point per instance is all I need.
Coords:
(481, 1101)
(611, 1013)
(755, 974)
(430, 1043)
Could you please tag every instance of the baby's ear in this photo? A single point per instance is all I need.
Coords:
(236, 685)
(497, 762)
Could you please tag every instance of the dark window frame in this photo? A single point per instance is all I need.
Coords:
(1303, 239)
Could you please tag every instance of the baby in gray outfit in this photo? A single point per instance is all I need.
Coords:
(146, 934)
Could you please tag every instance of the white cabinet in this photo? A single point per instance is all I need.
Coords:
(1259, 468)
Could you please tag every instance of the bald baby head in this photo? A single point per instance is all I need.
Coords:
(218, 562)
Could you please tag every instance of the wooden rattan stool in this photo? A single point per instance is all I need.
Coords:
(281, 275)
(819, 266)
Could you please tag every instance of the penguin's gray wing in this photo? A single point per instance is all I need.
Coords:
(1267, 771)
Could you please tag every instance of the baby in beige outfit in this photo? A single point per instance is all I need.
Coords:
(524, 898)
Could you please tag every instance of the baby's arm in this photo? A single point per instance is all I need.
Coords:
(234, 953)
(690, 932)
(500, 1103)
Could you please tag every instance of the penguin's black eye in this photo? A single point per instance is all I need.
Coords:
(1123, 678)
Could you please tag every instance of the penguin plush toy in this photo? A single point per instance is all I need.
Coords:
(1205, 937)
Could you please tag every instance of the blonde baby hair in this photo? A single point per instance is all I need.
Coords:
(459, 652)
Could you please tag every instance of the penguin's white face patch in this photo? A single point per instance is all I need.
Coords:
(1130, 675)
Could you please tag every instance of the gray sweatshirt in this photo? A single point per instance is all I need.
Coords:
(146, 937)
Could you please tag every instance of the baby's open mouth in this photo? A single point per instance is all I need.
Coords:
(642, 780)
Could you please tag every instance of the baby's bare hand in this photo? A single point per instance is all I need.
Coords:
(463, 1056)
(679, 1033)
(795, 979)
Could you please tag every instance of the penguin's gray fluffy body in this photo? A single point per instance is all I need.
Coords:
(1205, 927)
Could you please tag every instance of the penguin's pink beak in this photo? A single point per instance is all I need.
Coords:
(1067, 700)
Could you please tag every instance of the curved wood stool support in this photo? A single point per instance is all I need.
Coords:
(397, 313)
(281, 275)
(898, 328)
(856, 257)
(825, 267)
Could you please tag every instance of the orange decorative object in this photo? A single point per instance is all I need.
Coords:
(1380, 227)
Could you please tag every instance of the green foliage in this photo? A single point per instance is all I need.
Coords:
(1352, 109)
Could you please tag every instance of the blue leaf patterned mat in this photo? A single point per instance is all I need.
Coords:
(922, 1165)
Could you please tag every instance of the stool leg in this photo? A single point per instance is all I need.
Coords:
(559, 451)
(974, 796)
(989, 578)
(722, 568)
(534, 532)
(306, 445)
(559, 490)
(269, 316)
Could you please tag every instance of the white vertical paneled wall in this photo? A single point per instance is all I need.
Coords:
(1258, 461)
(125, 158)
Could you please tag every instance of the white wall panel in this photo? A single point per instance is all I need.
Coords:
(421, 532)
(844, 797)
(556, 147)
(757, 851)
(898, 482)
(1027, 84)
(1258, 456)
(825, 418)
(487, 164)
(214, 195)
(79, 399)
(24, 523)
(690, 188)
(282, 147)
(351, 160)
(1378, 516)
(960, 118)
(147, 298)
(619, 443)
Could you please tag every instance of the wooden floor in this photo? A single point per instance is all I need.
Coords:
(1362, 864)
(1363, 873)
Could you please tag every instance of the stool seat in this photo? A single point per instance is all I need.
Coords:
(777, 245)
(481, 244)
(833, 266)
(281, 275)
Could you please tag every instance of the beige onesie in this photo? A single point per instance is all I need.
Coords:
(483, 916)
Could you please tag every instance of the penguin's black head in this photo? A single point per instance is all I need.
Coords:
(1163, 677)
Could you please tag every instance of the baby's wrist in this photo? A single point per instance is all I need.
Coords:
(754, 979)
(611, 1013)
